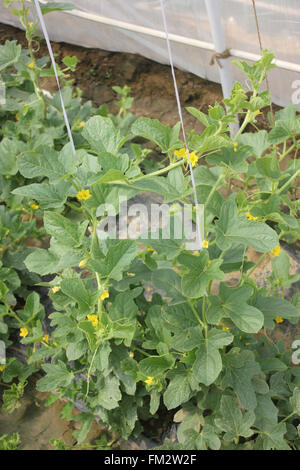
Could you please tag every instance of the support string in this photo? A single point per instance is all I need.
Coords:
(181, 119)
(45, 32)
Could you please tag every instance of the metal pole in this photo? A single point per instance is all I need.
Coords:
(214, 16)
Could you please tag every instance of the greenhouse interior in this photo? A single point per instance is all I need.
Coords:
(149, 227)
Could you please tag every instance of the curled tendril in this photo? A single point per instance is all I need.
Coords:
(35, 45)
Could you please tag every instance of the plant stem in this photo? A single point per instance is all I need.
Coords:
(213, 190)
(286, 185)
(196, 314)
(158, 172)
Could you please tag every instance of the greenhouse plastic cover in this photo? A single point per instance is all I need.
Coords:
(279, 22)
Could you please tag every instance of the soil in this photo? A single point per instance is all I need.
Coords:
(152, 87)
(151, 83)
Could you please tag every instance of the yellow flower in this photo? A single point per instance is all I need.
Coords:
(31, 65)
(35, 207)
(193, 158)
(235, 146)
(131, 355)
(55, 289)
(82, 263)
(104, 295)
(23, 332)
(182, 153)
(225, 328)
(82, 124)
(149, 380)
(93, 319)
(83, 195)
(196, 253)
(46, 338)
(2, 368)
(279, 319)
(205, 244)
(276, 251)
(250, 217)
(150, 249)
(30, 24)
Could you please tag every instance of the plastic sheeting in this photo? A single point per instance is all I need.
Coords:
(279, 23)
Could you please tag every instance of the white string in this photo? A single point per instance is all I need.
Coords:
(181, 119)
(44, 29)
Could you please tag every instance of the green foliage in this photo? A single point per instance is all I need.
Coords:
(10, 442)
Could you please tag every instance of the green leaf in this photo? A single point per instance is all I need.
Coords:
(273, 306)
(102, 135)
(8, 156)
(169, 281)
(247, 318)
(273, 439)
(76, 350)
(9, 54)
(12, 396)
(70, 62)
(109, 393)
(58, 375)
(269, 168)
(258, 141)
(117, 258)
(240, 368)
(41, 262)
(51, 261)
(178, 390)
(156, 365)
(64, 231)
(194, 282)
(228, 157)
(165, 137)
(86, 420)
(154, 401)
(45, 162)
(208, 364)
(49, 196)
(295, 400)
(232, 229)
(232, 421)
(112, 176)
(75, 289)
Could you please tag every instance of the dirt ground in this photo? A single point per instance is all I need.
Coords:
(152, 87)
(151, 83)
